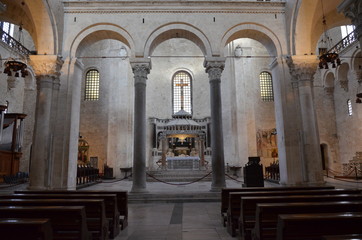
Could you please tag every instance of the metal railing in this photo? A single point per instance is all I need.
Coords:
(12, 43)
(344, 43)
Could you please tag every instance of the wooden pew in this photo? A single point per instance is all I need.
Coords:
(26, 228)
(67, 222)
(233, 212)
(225, 194)
(95, 211)
(110, 201)
(343, 237)
(122, 199)
(315, 225)
(249, 204)
(266, 217)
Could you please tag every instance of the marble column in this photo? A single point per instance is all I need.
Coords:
(302, 70)
(141, 68)
(47, 72)
(214, 68)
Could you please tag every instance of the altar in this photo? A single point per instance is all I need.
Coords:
(183, 163)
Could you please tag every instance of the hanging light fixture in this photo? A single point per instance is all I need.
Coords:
(17, 67)
(327, 57)
(359, 92)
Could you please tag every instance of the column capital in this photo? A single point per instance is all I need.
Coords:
(302, 68)
(46, 65)
(141, 67)
(214, 67)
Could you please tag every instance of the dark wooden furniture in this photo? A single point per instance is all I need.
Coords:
(249, 204)
(314, 226)
(266, 217)
(95, 211)
(67, 222)
(343, 237)
(26, 228)
(253, 173)
(11, 144)
(225, 194)
(122, 200)
(110, 201)
(233, 212)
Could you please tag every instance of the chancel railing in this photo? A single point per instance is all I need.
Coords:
(344, 43)
(12, 43)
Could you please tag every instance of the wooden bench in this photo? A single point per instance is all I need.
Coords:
(110, 201)
(225, 194)
(233, 212)
(95, 212)
(122, 199)
(266, 217)
(343, 237)
(67, 222)
(315, 225)
(249, 205)
(26, 228)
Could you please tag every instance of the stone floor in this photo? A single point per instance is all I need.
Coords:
(180, 220)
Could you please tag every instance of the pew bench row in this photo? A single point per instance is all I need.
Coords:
(102, 217)
(244, 206)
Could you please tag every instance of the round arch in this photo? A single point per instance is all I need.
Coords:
(37, 18)
(256, 32)
(177, 30)
(99, 32)
(308, 23)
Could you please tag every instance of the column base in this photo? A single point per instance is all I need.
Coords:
(139, 190)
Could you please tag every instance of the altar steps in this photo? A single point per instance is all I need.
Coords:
(179, 176)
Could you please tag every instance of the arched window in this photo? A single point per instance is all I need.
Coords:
(266, 87)
(181, 92)
(91, 85)
(349, 105)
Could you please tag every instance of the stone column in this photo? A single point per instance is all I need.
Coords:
(47, 71)
(302, 70)
(141, 68)
(214, 68)
(351, 9)
(164, 146)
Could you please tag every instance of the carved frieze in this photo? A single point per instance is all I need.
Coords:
(182, 7)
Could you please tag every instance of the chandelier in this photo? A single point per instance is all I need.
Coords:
(329, 56)
(17, 67)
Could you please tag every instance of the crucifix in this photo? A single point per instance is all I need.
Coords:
(182, 85)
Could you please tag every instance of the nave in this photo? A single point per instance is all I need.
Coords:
(171, 218)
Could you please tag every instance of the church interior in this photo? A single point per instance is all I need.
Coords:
(179, 91)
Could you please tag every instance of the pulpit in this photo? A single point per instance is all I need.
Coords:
(11, 141)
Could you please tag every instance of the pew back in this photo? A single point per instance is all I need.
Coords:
(37, 228)
(95, 212)
(316, 225)
(68, 222)
(267, 214)
(110, 201)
